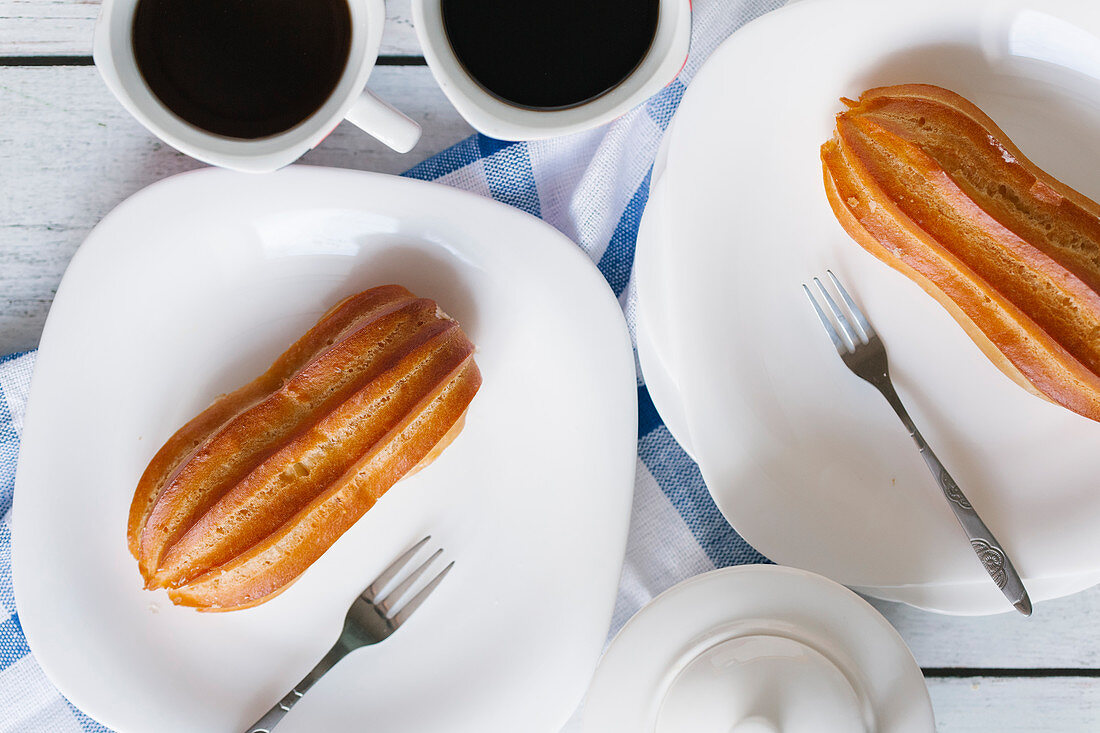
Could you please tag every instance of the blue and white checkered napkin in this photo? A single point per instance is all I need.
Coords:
(593, 187)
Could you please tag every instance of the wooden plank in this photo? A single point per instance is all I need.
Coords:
(64, 28)
(69, 153)
(1016, 705)
(1063, 633)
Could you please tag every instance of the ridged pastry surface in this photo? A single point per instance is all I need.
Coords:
(928, 183)
(244, 497)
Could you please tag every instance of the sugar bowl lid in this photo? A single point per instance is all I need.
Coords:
(758, 649)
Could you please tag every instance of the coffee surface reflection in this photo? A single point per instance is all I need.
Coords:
(549, 54)
(242, 68)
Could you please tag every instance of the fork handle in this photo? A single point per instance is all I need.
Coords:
(985, 545)
(272, 717)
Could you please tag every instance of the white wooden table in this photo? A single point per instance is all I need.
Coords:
(69, 153)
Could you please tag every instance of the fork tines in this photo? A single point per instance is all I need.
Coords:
(387, 603)
(844, 335)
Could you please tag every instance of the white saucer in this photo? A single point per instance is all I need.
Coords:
(193, 286)
(758, 649)
(806, 462)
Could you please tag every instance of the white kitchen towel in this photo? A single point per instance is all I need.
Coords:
(592, 186)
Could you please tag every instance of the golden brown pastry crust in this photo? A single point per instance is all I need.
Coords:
(244, 497)
(926, 182)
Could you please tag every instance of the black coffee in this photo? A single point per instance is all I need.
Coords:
(242, 68)
(549, 53)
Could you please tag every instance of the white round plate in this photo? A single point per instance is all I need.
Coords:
(638, 678)
(806, 461)
(660, 379)
(193, 286)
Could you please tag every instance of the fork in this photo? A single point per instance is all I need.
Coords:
(863, 352)
(369, 620)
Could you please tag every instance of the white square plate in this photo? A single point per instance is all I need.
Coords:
(192, 287)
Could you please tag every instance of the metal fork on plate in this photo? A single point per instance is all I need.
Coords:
(862, 351)
(369, 620)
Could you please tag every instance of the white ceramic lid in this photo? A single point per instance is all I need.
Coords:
(762, 683)
(756, 649)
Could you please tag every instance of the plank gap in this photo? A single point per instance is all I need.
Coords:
(965, 672)
(46, 61)
(388, 60)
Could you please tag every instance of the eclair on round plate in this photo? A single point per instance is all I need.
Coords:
(926, 182)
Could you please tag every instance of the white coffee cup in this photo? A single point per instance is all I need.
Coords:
(114, 56)
(497, 118)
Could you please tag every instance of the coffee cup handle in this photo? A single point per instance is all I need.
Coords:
(391, 126)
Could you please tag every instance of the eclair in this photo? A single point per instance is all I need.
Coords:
(926, 182)
(247, 495)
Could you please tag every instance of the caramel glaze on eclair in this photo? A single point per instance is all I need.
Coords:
(926, 182)
(244, 497)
